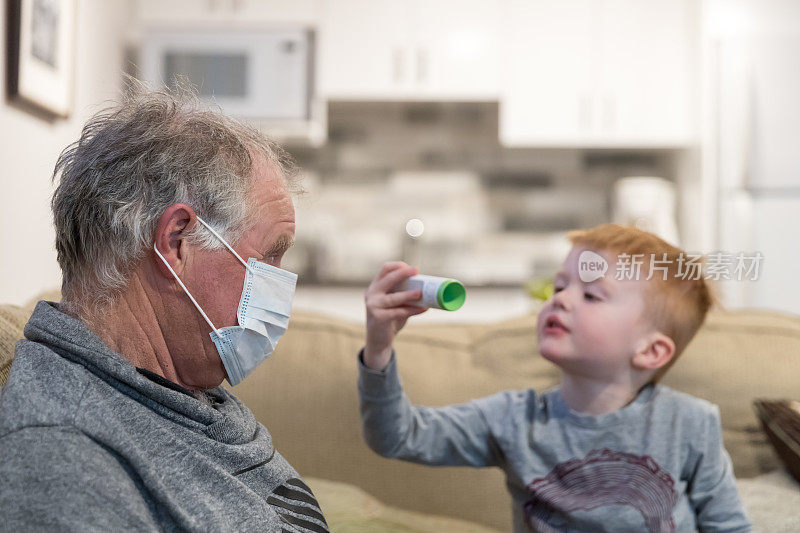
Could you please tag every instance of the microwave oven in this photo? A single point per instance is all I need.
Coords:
(260, 75)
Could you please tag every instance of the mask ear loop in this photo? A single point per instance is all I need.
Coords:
(228, 246)
(197, 305)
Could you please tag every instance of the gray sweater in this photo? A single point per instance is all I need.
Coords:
(655, 465)
(88, 442)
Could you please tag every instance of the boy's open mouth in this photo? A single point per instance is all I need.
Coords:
(554, 325)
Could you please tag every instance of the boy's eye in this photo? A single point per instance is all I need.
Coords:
(591, 297)
(558, 289)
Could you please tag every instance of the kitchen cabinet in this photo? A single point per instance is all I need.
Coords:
(598, 73)
(361, 48)
(550, 70)
(458, 48)
(646, 80)
(410, 49)
(216, 12)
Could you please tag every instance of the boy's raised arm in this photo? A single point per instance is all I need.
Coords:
(457, 435)
(454, 435)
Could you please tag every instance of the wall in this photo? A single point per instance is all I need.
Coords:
(29, 147)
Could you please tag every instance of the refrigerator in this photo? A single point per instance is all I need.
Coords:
(757, 150)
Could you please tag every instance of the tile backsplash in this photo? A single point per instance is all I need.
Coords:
(492, 215)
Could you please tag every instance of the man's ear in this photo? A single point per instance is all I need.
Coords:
(656, 353)
(170, 237)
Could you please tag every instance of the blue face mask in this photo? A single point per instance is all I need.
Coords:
(263, 314)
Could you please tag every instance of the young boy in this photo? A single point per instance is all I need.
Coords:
(607, 450)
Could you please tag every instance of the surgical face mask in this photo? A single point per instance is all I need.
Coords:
(263, 314)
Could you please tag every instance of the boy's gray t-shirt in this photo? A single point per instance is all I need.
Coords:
(88, 442)
(656, 465)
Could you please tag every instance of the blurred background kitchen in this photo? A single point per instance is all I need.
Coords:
(464, 136)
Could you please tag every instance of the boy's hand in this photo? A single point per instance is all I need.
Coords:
(387, 311)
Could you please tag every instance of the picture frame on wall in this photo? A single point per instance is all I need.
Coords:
(41, 54)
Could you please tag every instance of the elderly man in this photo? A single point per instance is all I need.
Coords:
(171, 221)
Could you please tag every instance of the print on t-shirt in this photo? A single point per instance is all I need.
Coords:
(601, 479)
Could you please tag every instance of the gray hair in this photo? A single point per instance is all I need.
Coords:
(133, 160)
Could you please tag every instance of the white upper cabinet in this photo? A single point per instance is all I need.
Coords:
(227, 12)
(598, 73)
(458, 48)
(362, 50)
(646, 81)
(410, 49)
(551, 71)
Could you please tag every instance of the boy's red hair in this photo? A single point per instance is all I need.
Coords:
(677, 305)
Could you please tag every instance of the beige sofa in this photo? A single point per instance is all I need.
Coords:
(306, 395)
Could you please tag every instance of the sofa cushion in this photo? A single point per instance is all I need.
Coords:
(770, 500)
(12, 321)
(348, 508)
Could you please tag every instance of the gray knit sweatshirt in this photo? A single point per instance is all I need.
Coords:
(657, 465)
(89, 442)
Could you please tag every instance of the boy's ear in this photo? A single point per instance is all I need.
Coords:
(656, 353)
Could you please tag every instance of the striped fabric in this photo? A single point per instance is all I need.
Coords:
(298, 508)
